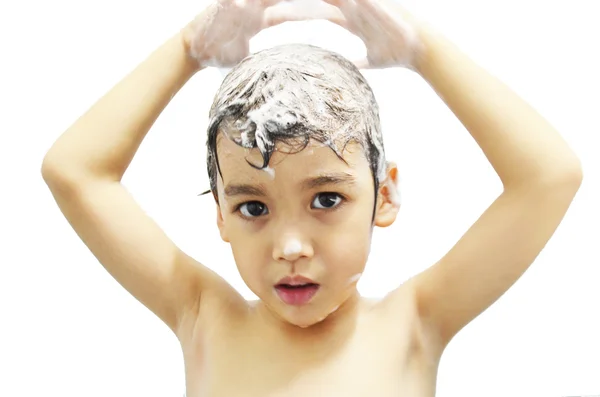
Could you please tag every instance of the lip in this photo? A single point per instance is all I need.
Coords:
(298, 296)
(295, 280)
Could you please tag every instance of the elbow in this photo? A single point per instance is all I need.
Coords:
(565, 176)
(571, 174)
(55, 174)
(568, 179)
(51, 174)
(48, 168)
(51, 169)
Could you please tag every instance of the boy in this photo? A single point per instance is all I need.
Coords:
(298, 172)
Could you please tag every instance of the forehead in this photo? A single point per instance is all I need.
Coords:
(289, 164)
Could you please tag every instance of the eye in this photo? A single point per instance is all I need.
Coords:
(326, 200)
(253, 209)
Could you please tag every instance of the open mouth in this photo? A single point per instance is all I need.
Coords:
(298, 286)
(297, 294)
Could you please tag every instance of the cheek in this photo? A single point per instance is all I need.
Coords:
(344, 266)
(347, 246)
(350, 243)
(250, 253)
(248, 267)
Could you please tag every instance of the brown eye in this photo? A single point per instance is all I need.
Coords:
(326, 200)
(253, 209)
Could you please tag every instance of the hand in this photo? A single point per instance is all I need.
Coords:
(220, 35)
(390, 33)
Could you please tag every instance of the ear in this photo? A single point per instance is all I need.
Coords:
(388, 200)
(221, 221)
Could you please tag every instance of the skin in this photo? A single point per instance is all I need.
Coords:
(394, 345)
(333, 238)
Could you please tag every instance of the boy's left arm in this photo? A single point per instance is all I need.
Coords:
(540, 175)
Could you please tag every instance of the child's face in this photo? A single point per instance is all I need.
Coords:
(310, 214)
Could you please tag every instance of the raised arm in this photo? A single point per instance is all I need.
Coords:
(83, 170)
(539, 171)
(84, 167)
(540, 175)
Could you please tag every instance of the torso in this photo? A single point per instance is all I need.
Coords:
(378, 351)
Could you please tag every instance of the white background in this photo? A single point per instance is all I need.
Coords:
(68, 329)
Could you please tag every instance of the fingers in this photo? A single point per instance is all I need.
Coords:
(362, 63)
(250, 3)
(278, 15)
(339, 20)
(368, 5)
(340, 3)
(345, 4)
(274, 20)
(269, 3)
(334, 15)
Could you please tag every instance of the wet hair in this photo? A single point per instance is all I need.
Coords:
(295, 93)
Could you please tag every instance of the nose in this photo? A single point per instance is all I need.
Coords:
(290, 248)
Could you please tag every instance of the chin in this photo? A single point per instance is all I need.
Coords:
(304, 324)
(305, 321)
(304, 316)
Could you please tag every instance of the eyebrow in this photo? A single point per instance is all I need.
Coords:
(336, 178)
(244, 190)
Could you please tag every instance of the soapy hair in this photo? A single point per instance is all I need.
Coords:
(295, 93)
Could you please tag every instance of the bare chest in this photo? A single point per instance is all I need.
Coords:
(370, 361)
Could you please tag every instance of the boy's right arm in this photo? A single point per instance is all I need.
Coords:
(84, 167)
(134, 249)
(83, 170)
